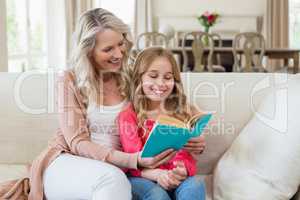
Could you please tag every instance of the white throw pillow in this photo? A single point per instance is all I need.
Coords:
(264, 160)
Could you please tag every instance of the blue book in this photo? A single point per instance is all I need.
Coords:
(171, 133)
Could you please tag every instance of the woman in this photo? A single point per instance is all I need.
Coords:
(83, 160)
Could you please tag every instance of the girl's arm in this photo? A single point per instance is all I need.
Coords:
(128, 131)
(74, 128)
(129, 136)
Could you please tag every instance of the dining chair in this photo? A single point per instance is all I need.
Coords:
(253, 46)
(217, 38)
(149, 39)
(201, 42)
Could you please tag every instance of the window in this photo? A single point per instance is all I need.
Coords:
(26, 35)
(34, 32)
(35, 35)
(294, 6)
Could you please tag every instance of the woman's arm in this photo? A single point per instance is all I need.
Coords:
(152, 174)
(73, 124)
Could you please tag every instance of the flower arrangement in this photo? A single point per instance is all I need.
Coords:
(208, 19)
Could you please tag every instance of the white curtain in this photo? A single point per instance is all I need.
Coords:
(143, 19)
(74, 8)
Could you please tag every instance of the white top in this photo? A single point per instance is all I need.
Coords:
(102, 124)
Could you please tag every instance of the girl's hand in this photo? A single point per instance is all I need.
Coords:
(166, 181)
(180, 172)
(195, 145)
(157, 160)
(171, 179)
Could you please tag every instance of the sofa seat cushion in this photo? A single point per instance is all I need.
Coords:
(11, 172)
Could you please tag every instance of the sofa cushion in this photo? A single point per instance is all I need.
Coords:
(11, 172)
(263, 162)
(27, 115)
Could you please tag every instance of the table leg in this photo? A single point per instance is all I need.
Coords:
(286, 62)
(296, 62)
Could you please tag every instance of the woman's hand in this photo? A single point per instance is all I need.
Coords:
(195, 145)
(157, 160)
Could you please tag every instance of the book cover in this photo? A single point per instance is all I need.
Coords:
(171, 133)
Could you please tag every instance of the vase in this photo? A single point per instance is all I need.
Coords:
(205, 38)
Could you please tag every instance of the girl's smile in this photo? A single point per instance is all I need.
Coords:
(158, 80)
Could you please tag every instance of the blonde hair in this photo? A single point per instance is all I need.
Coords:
(176, 103)
(87, 77)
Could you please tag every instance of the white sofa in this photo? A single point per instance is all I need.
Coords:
(28, 118)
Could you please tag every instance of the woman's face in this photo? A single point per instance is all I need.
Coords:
(158, 80)
(109, 50)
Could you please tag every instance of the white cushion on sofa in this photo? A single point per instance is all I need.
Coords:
(263, 162)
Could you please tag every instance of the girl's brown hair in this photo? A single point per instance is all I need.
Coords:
(176, 104)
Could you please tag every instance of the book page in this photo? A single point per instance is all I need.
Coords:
(194, 119)
(171, 121)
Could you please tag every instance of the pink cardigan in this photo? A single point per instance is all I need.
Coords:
(133, 139)
(73, 138)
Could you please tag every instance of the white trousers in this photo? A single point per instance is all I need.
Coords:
(71, 177)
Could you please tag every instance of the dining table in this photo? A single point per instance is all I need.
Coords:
(272, 53)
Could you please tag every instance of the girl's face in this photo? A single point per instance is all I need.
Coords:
(158, 80)
(109, 50)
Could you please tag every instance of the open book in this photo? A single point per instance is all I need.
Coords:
(171, 133)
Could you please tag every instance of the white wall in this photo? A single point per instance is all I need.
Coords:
(193, 8)
(197, 7)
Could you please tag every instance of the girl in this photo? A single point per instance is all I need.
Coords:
(157, 89)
